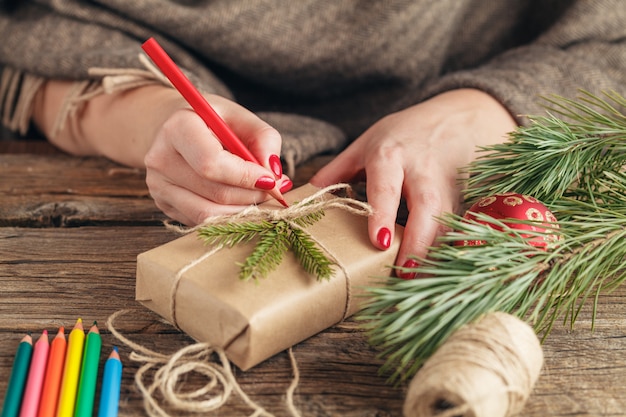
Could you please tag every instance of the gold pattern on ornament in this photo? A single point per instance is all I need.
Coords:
(487, 201)
(551, 218)
(534, 214)
(512, 201)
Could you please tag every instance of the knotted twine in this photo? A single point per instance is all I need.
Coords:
(170, 369)
(485, 369)
(319, 201)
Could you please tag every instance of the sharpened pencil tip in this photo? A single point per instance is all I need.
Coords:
(283, 202)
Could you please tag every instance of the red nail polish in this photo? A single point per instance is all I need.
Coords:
(410, 263)
(276, 166)
(265, 183)
(286, 185)
(384, 237)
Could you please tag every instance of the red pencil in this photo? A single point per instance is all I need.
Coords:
(54, 372)
(196, 100)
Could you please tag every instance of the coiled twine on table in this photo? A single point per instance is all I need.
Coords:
(485, 369)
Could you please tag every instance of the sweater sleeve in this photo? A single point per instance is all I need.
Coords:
(100, 50)
(68, 43)
(585, 49)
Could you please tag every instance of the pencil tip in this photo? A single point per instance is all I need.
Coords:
(116, 349)
(45, 332)
(61, 329)
(283, 202)
(95, 322)
(79, 320)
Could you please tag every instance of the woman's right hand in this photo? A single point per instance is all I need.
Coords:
(191, 176)
(188, 172)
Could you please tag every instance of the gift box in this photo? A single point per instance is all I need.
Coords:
(255, 319)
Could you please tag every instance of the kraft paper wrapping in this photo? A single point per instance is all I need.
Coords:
(253, 321)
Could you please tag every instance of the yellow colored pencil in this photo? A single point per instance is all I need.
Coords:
(71, 371)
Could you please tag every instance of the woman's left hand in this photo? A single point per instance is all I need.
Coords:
(416, 154)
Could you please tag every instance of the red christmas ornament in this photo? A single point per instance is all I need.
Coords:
(515, 206)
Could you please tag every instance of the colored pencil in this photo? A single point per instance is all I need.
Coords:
(111, 384)
(17, 381)
(88, 373)
(34, 384)
(54, 373)
(198, 103)
(71, 371)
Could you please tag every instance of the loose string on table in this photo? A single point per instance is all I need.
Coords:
(169, 370)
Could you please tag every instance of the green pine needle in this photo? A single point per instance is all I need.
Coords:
(232, 234)
(267, 254)
(310, 256)
(274, 239)
(577, 168)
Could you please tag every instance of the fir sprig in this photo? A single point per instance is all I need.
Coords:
(545, 158)
(274, 239)
(577, 169)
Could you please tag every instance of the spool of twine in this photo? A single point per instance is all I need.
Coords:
(484, 369)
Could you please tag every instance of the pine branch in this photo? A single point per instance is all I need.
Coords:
(267, 254)
(578, 169)
(310, 256)
(548, 157)
(275, 237)
(232, 234)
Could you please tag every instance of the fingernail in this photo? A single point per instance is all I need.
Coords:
(276, 166)
(286, 185)
(384, 237)
(265, 183)
(411, 263)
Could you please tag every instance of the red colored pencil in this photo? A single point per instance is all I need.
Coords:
(196, 100)
(34, 384)
(54, 372)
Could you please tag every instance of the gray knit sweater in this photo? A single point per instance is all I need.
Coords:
(344, 62)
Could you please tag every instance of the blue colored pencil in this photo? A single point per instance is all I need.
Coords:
(111, 384)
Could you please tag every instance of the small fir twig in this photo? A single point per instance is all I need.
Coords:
(577, 169)
(273, 239)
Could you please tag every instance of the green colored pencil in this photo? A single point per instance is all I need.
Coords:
(88, 373)
(17, 382)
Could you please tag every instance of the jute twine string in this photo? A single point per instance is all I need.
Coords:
(169, 372)
(485, 369)
(320, 200)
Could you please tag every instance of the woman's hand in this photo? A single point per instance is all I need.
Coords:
(191, 176)
(188, 172)
(416, 153)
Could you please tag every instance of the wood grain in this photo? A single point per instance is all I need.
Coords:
(70, 231)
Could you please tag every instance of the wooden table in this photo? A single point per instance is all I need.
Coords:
(70, 231)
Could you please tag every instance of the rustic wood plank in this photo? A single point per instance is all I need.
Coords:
(89, 272)
(60, 190)
(51, 275)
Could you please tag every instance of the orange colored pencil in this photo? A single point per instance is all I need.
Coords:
(71, 371)
(54, 373)
(36, 373)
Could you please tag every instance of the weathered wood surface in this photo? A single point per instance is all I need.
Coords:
(70, 231)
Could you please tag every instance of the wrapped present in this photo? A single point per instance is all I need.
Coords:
(197, 288)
